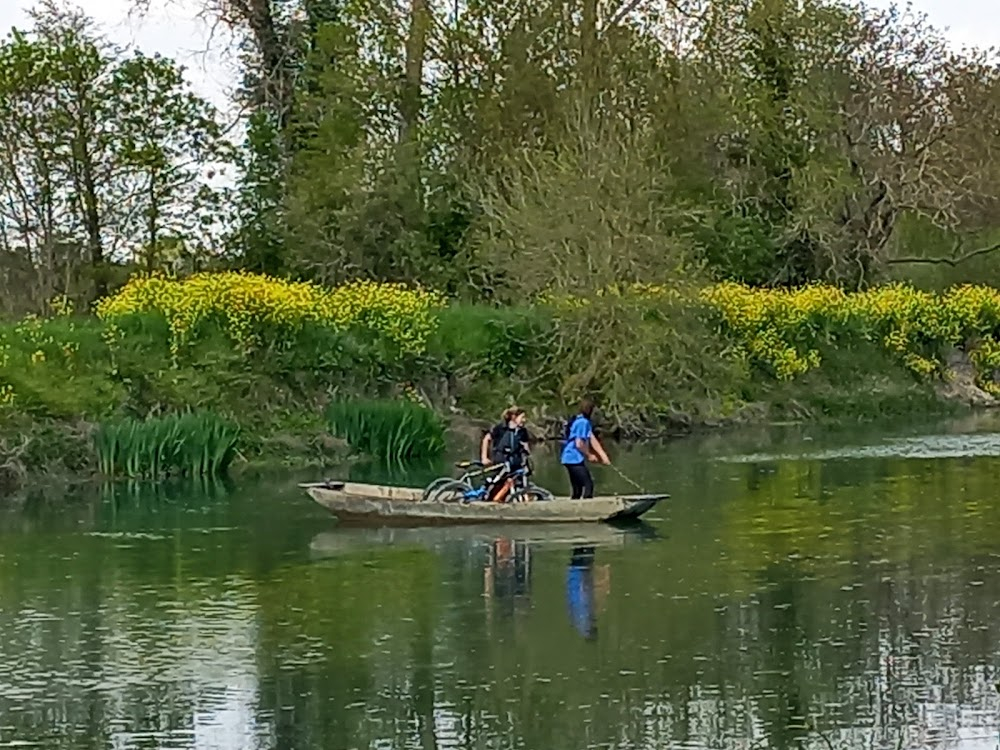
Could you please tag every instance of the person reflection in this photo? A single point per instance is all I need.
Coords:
(580, 591)
(507, 575)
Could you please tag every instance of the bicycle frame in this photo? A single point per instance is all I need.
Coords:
(517, 476)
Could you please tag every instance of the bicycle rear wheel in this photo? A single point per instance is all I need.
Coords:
(532, 494)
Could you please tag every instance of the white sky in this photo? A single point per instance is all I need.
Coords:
(174, 30)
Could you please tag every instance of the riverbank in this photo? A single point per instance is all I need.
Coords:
(271, 355)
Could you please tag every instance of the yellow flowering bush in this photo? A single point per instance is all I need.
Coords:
(781, 328)
(39, 342)
(248, 303)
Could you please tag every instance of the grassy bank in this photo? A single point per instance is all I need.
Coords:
(270, 357)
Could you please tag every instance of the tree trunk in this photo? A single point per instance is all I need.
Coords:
(588, 55)
(152, 226)
(86, 185)
(416, 47)
(92, 220)
(274, 91)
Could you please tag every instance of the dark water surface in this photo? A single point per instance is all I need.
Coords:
(815, 590)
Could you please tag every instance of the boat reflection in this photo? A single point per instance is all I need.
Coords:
(506, 556)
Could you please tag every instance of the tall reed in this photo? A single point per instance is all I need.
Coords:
(394, 431)
(186, 444)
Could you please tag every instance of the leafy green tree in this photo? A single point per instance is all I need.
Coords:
(794, 137)
(103, 152)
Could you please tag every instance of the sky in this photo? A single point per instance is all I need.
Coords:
(173, 29)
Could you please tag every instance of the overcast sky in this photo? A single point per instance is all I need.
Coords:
(178, 33)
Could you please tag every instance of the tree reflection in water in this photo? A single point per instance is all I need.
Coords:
(831, 606)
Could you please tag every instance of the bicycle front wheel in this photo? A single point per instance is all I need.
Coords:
(434, 486)
(453, 492)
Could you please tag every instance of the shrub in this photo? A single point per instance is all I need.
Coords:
(197, 444)
(393, 431)
(780, 329)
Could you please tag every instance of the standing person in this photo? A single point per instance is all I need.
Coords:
(580, 444)
(507, 440)
(506, 443)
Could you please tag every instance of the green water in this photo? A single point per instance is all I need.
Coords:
(800, 589)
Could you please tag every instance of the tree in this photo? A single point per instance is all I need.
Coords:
(796, 134)
(169, 143)
(845, 119)
(102, 153)
(48, 121)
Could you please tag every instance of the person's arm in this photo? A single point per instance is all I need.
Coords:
(484, 449)
(599, 449)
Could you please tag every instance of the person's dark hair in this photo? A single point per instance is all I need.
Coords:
(587, 407)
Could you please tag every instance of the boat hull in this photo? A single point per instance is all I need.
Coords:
(354, 503)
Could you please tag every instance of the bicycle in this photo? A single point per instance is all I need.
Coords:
(473, 471)
(519, 489)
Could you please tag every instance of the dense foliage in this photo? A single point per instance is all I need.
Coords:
(679, 208)
(493, 150)
(387, 340)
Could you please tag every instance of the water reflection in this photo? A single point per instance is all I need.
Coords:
(507, 576)
(826, 605)
(580, 591)
(507, 555)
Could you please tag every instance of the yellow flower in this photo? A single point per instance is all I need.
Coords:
(61, 306)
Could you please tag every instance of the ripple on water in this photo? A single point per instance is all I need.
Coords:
(931, 446)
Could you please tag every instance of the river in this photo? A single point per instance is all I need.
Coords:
(802, 588)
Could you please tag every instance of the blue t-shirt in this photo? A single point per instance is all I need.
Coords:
(581, 428)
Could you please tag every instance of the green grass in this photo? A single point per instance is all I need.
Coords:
(189, 444)
(393, 431)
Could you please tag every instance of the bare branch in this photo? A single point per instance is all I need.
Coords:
(947, 261)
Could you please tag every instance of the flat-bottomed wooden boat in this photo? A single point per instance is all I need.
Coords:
(378, 504)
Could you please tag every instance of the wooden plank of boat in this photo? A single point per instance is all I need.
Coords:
(344, 541)
(353, 502)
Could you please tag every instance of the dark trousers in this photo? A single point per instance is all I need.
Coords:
(580, 480)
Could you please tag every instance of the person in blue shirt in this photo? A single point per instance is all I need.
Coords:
(580, 445)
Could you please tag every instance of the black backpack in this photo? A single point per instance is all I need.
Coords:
(508, 445)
